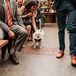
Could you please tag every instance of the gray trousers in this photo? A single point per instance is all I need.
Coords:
(20, 37)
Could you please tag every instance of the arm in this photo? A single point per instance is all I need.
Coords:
(24, 16)
(33, 22)
(17, 18)
(4, 26)
(27, 15)
(6, 29)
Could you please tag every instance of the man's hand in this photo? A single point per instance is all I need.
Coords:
(11, 34)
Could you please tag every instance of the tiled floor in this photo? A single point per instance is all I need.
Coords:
(40, 62)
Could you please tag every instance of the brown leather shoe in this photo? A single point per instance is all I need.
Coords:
(60, 54)
(73, 61)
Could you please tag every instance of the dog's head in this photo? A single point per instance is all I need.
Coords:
(38, 34)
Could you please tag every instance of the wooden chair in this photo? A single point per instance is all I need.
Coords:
(3, 43)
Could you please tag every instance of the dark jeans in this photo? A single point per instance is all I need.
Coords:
(61, 19)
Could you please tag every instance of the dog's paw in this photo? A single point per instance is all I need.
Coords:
(39, 47)
(34, 47)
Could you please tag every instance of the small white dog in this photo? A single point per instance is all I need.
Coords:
(37, 38)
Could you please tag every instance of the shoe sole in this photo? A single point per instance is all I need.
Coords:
(13, 62)
(60, 57)
(74, 65)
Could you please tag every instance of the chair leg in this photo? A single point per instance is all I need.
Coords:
(3, 49)
(9, 45)
(3, 52)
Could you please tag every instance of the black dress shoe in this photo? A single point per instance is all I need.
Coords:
(13, 59)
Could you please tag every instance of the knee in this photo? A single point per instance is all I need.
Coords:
(29, 27)
(24, 33)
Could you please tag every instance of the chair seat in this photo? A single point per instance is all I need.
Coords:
(3, 43)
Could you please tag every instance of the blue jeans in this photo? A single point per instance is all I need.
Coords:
(61, 19)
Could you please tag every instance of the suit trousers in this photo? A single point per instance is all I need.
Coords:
(20, 37)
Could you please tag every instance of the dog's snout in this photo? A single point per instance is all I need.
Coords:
(38, 36)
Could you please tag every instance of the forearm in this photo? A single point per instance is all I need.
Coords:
(34, 23)
(24, 16)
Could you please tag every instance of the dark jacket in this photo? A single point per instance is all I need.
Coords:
(58, 2)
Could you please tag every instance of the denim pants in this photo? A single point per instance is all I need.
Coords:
(61, 19)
